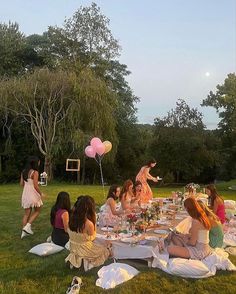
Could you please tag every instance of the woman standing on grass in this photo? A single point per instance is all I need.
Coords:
(216, 202)
(31, 196)
(142, 177)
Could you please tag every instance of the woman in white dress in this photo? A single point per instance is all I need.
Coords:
(31, 196)
(110, 215)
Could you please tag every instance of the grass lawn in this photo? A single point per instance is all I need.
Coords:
(22, 272)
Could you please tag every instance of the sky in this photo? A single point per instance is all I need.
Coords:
(173, 48)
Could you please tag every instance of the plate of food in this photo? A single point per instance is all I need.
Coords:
(151, 238)
(179, 216)
(183, 212)
(107, 229)
(161, 232)
(163, 222)
(129, 240)
(125, 235)
(110, 237)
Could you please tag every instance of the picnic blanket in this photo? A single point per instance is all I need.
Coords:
(189, 268)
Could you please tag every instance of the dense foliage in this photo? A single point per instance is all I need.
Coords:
(61, 88)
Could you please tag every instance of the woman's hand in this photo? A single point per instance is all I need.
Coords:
(43, 195)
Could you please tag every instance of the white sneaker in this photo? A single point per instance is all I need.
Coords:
(27, 229)
(73, 290)
(23, 234)
(49, 239)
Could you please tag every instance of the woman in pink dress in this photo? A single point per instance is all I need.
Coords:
(216, 202)
(31, 196)
(142, 177)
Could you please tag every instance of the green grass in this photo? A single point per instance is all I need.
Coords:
(22, 272)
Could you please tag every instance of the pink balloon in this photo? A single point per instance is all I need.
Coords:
(90, 152)
(100, 148)
(95, 141)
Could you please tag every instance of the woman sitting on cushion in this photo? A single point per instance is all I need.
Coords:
(216, 234)
(82, 232)
(110, 215)
(60, 219)
(216, 202)
(194, 245)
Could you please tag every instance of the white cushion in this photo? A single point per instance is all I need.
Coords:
(115, 274)
(230, 213)
(45, 249)
(185, 225)
(187, 267)
(230, 204)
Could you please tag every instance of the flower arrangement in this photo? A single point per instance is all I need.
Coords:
(152, 212)
(132, 218)
(192, 186)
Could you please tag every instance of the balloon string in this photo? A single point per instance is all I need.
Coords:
(100, 165)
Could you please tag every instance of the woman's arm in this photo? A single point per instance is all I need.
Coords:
(112, 204)
(65, 220)
(90, 230)
(124, 205)
(22, 183)
(148, 176)
(193, 234)
(35, 181)
(215, 206)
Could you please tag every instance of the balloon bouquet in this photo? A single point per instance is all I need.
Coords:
(97, 149)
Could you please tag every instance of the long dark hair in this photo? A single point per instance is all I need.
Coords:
(84, 208)
(150, 162)
(112, 192)
(214, 193)
(32, 163)
(125, 188)
(62, 202)
(136, 184)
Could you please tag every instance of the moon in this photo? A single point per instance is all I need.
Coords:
(207, 74)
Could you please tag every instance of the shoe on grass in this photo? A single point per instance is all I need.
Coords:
(27, 229)
(24, 234)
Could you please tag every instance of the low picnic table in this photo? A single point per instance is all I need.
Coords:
(142, 249)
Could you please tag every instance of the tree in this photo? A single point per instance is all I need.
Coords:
(182, 117)
(43, 99)
(224, 101)
(11, 48)
(181, 145)
(58, 105)
(90, 28)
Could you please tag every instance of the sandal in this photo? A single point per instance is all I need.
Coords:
(75, 286)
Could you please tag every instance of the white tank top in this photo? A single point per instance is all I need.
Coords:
(203, 236)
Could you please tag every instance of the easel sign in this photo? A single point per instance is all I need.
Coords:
(73, 165)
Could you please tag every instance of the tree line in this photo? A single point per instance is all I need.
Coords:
(61, 88)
